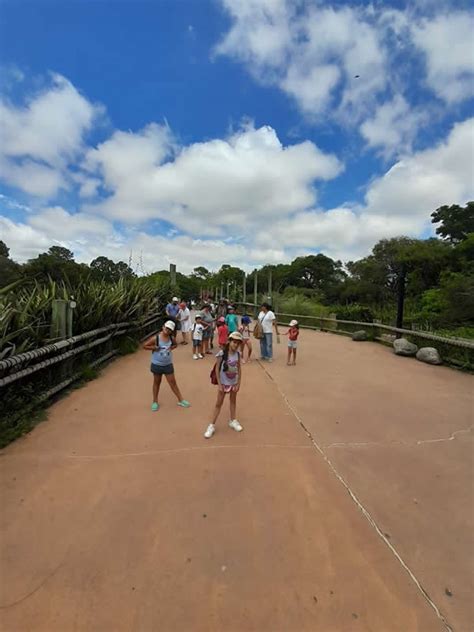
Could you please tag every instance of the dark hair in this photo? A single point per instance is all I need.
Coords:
(225, 357)
(267, 305)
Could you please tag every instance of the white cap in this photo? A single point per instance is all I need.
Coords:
(175, 298)
(236, 335)
(293, 323)
(170, 325)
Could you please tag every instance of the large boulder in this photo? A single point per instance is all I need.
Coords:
(360, 335)
(404, 347)
(429, 355)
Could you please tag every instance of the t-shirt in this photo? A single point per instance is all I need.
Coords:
(172, 310)
(293, 333)
(197, 331)
(231, 376)
(222, 334)
(164, 356)
(266, 319)
(232, 322)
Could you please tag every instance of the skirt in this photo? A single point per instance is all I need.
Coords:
(167, 369)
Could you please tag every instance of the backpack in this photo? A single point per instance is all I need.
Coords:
(258, 330)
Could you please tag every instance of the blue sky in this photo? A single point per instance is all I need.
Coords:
(230, 131)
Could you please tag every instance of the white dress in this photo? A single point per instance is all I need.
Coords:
(184, 316)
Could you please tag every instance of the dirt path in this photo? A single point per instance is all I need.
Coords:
(115, 518)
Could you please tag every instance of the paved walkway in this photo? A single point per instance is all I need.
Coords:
(346, 504)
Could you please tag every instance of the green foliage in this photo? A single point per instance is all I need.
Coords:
(25, 313)
(360, 313)
(300, 305)
(456, 221)
(108, 270)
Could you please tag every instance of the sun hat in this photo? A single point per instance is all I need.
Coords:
(170, 325)
(246, 319)
(198, 315)
(293, 323)
(174, 299)
(231, 307)
(236, 335)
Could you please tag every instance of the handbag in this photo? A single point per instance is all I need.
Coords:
(258, 329)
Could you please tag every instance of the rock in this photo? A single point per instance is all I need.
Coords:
(359, 335)
(403, 347)
(429, 355)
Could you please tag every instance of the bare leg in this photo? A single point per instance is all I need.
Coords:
(288, 361)
(204, 345)
(217, 409)
(156, 387)
(233, 404)
(174, 386)
(294, 356)
(249, 347)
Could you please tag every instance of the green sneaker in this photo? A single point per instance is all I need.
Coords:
(184, 404)
(155, 406)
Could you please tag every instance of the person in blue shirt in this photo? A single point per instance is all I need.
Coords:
(231, 320)
(172, 310)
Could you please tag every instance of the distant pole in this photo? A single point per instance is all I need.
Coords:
(270, 284)
(255, 288)
(401, 297)
(172, 274)
(244, 291)
(222, 289)
(59, 319)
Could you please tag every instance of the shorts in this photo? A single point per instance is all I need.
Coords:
(196, 343)
(292, 344)
(207, 333)
(157, 369)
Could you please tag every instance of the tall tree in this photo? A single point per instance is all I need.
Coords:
(456, 221)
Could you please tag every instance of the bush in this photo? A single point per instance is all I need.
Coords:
(360, 313)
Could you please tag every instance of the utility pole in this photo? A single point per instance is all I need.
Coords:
(255, 288)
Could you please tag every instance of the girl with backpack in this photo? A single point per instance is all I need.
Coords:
(161, 347)
(226, 374)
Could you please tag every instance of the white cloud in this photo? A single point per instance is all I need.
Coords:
(446, 41)
(245, 180)
(398, 203)
(39, 140)
(393, 127)
(59, 225)
(311, 54)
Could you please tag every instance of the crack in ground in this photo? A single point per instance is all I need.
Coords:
(369, 444)
(361, 507)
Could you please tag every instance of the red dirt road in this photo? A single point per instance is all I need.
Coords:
(116, 518)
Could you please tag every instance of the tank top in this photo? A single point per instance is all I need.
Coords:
(164, 356)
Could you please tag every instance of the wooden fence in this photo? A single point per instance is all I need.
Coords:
(458, 352)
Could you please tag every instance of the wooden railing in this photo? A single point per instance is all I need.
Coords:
(51, 368)
(458, 352)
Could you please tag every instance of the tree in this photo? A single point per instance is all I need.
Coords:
(201, 273)
(4, 250)
(9, 270)
(456, 221)
(107, 269)
(317, 272)
(60, 253)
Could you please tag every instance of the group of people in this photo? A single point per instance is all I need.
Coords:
(233, 339)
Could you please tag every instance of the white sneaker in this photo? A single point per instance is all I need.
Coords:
(195, 356)
(210, 431)
(234, 424)
(200, 356)
(269, 360)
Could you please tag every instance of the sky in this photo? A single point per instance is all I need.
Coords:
(204, 132)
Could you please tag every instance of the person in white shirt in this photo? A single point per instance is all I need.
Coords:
(184, 317)
(198, 330)
(268, 320)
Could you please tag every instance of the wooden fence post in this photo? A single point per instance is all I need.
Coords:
(59, 319)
